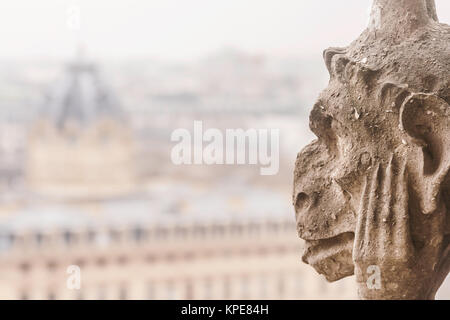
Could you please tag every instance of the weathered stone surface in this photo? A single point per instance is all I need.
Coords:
(374, 188)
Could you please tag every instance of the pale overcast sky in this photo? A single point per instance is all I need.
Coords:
(181, 29)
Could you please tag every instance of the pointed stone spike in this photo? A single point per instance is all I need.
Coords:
(401, 17)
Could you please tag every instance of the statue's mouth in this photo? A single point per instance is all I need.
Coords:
(331, 257)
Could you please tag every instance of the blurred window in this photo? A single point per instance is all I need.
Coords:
(236, 229)
(181, 232)
(68, 237)
(171, 257)
(190, 255)
(80, 263)
(91, 235)
(122, 260)
(139, 234)
(51, 266)
(114, 235)
(200, 231)
(12, 239)
(253, 228)
(39, 237)
(263, 251)
(273, 226)
(227, 252)
(25, 267)
(161, 233)
(281, 249)
(218, 230)
(101, 261)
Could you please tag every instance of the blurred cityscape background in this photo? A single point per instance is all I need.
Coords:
(86, 177)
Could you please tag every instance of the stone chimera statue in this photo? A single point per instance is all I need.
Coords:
(372, 193)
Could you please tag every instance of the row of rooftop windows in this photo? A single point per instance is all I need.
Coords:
(140, 234)
(168, 257)
(284, 284)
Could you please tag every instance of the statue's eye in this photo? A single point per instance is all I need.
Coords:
(349, 71)
(340, 66)
(323, 125)
(302, 201)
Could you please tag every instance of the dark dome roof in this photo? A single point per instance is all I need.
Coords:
(81, 97)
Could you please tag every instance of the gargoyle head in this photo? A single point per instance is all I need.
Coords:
(387, 102)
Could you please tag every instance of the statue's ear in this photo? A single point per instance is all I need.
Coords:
(425, 119)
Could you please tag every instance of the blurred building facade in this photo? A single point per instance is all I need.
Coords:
(155, 257)
(80, 146)
(196, 233)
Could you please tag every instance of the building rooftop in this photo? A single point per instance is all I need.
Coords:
(184, 207)
(81, 96)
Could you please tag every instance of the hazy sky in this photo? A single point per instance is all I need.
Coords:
(180, 29)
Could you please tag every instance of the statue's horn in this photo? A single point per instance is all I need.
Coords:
(401, 17)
